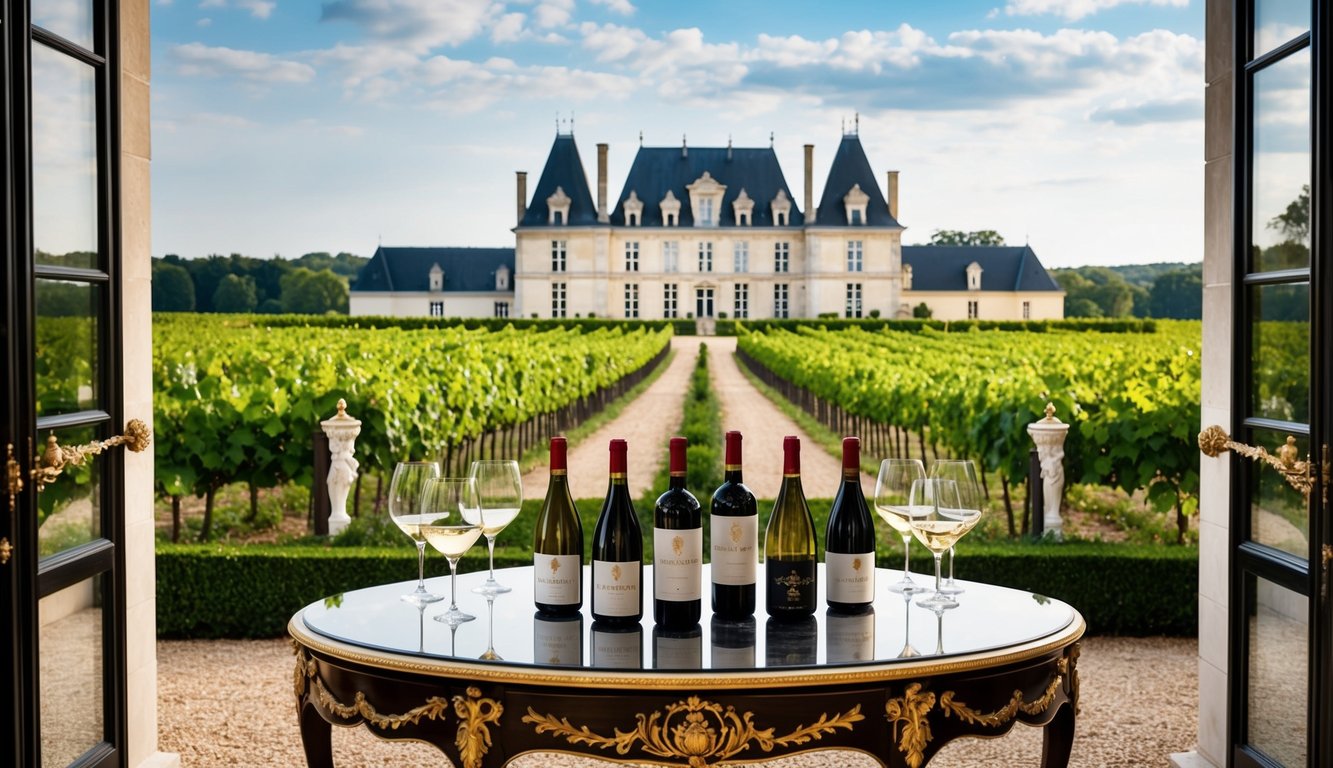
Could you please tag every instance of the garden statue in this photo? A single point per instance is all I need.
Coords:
(342, 431)
(1049, 435)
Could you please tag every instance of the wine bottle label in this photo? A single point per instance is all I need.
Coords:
(734, 544)
(618, 650)
(678, 652)
(850, 638)
(678, 556)
(851, 578)
(556, 579)
(792, 586)
(615, 588)
(557, 642)
(733, 658)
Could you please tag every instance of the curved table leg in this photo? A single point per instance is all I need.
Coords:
(316, 738)
(1058, 738)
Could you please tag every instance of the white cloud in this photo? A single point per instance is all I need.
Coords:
(419, 24)
(199, 60)
(508, 29)
(553, 13)
(204, 22)
(622, 7)
(1073, 10)
(260, 9)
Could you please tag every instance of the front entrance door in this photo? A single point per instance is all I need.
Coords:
(1280, 650)
(62, 582)
(703, 302)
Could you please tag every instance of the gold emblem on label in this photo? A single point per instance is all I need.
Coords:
(677, 545)
(736, 533)
(615, 573)
(856, 564)
(555, 565)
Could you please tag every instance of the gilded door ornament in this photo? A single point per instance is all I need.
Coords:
(701, 732)
(475, 713)
(1004, 714)
(910, 711)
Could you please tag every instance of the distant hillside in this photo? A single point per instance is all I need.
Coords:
(1170, 289)
(1146, 274)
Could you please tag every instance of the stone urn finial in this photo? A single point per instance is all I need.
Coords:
(342, 431)
(1049, 435)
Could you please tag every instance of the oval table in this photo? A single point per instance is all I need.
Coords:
(719, 693)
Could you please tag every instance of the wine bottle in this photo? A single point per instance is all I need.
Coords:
(617, 551)
(557, 640)
(678, 648)
(616, 646)
(678, 549)
(733, 643)
(557, 544)
(849, 542)
(791, 642)
(734, 538)
(789, 544)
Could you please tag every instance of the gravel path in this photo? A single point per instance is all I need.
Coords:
(229, 703)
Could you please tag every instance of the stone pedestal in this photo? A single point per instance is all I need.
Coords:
(1049, 435)
(342, 431)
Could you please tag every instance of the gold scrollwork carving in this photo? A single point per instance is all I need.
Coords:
(436, 707)
(702, 732)
(1004, 714)
(474, 714)
(1073, 675)
(910, 711)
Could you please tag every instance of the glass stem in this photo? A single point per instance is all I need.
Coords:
(950, 565)
(421, 566)
(490, 545)
(907, 558)
(453, 582)
(939, 560)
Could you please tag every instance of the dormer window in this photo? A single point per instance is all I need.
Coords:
(436, 278)
(558, 205)
(907, 277)
(670, 210)
(502, 278)
(706, 199)
(974, 276)
(743, 207)
(855, 202)
(781, 207)
(633, 210)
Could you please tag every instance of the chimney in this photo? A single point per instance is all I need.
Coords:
(809, 183)
(522, 194)
(601, 184)
(892, 190)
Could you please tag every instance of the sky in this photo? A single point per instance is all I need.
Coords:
(289, 126)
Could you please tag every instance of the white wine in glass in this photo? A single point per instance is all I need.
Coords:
(409, 479)
(500, 492)
(892, 501)
(456, 524)
(938, 522)
(964, 473)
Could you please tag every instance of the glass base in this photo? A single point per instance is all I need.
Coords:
(952, 588)
(490, 655)
(938, 602)
(906, 586)
(491, 587)
(421, 598)
(453, 617)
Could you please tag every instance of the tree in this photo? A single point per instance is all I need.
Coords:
(959, 237)
(235, 294)
(1081, 307)
(922, 311)
(1104, 288)
(1177, 295)
(307, 292)
(1294, 223)
(173, 289)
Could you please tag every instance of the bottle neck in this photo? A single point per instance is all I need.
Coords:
(732, 474)
(676, 481)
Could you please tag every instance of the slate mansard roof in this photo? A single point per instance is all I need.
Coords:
(851, 167)
(1003, 268)
(466, 270)
(563, 169)
(658, 169)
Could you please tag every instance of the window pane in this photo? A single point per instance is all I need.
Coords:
(1281, 186)
(1280, 348)
(71, 19)
(1279, 515)
(71, 671)
(67, 315)
(64, 160)
(1277, 21)
(1279, 658)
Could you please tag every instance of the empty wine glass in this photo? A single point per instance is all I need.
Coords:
(938, 521)
(456, 523)
(409, 479)
(892, 490)
(500, 490)
(964, 473)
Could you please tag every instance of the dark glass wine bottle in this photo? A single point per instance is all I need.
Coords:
(678, 648)
(734, 538)
(849, 542)
(678, 549)
(617, 551)
(557, 640)
(733, 643)
(789, 544)
(616, 646)
(791, 642)
(557, 544)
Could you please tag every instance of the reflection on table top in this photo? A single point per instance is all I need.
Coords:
(988, 618)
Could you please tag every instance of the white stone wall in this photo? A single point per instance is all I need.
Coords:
(417, 303)
(991, 305)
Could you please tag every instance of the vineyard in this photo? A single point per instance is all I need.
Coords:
(237, 400)
(1133, 398)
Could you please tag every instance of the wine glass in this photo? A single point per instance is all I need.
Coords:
(409, 478)
(500, 490)
(455, 525)
(938, 521)
(489, 654)
(964, 473)
(892, 489)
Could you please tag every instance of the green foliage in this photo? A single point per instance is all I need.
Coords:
(347, 265)
(701, 425)
(682, 327)
(1098, 286)
(173, 289)
(1294, 222)
(1123, 325)
(959, 237)
(922, 311)
(1177, 295)
(236, 294)
(306, 292)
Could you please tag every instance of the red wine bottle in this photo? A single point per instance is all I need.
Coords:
(678, 549)
(617, 551)
(789, 544)
(557, 544)
(734, 538)
(849, 542)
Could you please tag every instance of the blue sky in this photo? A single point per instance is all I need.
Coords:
(287, 126)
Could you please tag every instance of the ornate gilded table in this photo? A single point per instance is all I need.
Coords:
(721, 693)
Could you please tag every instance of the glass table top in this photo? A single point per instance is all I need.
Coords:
(987, 618)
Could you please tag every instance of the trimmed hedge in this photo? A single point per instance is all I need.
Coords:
(1125, 325)
(252, 590)
(682, 327)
